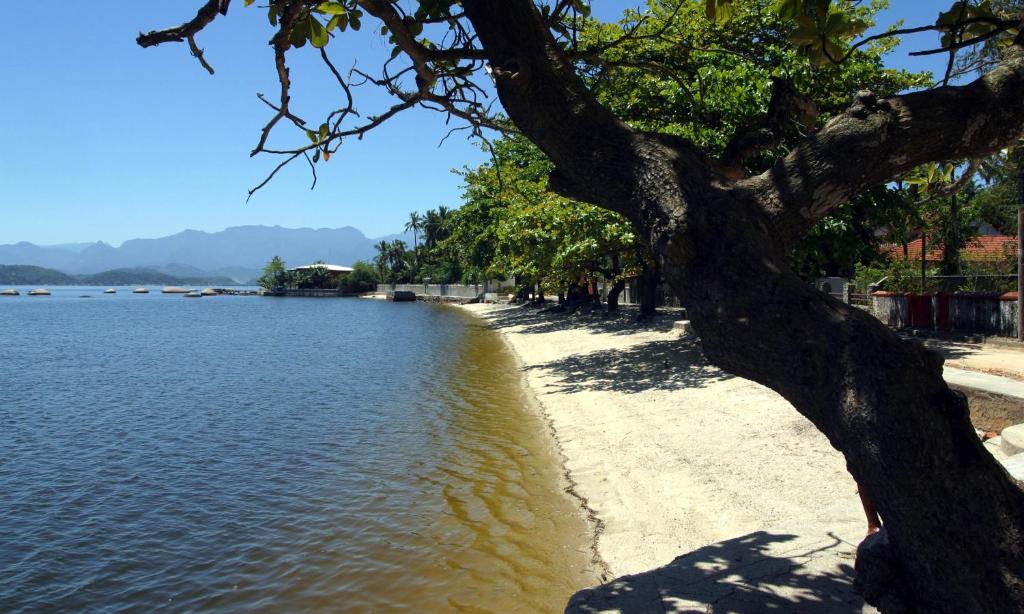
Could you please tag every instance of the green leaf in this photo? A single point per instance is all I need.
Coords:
(324, 129)
(789, 9)
(297, 37)
(331, 8)
(317, 33)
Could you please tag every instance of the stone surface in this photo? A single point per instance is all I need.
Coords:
(141, 290)
(10, 292)
(110, 291)
(683, 326)
(401, 296)
(1012, 440)
(39, 292)
(175, 290)
(1015, 465)
(209, 292)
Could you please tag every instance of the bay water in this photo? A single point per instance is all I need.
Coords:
(273, 454)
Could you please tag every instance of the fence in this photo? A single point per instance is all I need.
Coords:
(993, 314)
(630, 294)
(453, 290)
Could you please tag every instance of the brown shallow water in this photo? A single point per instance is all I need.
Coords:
(239, 453)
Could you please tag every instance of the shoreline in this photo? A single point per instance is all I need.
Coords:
(699, 487)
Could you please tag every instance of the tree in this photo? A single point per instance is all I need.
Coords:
(274, 274)
(363, 278)
(414, 224)
(719, 220)
(382, 260)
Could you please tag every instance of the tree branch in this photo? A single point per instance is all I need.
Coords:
(786, 106)
(186, 31)
(596, 154)
(877, 140)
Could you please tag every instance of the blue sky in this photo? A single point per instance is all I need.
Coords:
(105, 141)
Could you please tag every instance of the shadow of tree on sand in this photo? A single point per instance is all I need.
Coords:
(533, 320)
(752, 574)
(670, 364)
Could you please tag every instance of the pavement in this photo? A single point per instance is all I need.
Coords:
(1005, 359)
(995, 384)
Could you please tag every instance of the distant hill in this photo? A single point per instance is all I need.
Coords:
(24, 275)
(239, 252)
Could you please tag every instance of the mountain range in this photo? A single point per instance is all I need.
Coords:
(239, 252)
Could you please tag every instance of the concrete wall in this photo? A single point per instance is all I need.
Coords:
(968, 313)
(456, 290)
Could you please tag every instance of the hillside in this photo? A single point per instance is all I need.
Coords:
(22, 275)
(26, 275)
(239, 252)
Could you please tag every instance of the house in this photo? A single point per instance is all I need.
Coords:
(985, 248)
(335, 271)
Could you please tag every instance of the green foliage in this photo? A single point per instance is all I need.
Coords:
(903, 276)
(864, 277)
(363, 278)
(847, 236)
(317, 276)
(990, 275)
(21, 274)
(274, 274)
(687, 76)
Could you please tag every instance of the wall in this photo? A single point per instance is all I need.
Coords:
(456, 290)
(969, 313)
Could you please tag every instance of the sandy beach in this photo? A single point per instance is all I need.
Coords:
(705, 490)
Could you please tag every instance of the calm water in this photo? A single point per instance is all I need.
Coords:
(268, 454)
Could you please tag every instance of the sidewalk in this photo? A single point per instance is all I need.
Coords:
(1006, 361)
(995, 384)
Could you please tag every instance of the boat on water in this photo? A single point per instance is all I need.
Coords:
(110, 291)
(39, 292)
(140, 291)
(10, 292)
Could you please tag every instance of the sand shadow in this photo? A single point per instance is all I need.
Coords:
(532, 320)
(670, 364)
(752, 574)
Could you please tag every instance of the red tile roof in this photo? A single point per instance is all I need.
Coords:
(977, 249)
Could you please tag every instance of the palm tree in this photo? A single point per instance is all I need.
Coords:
(443, 221)
(431, 226)
(383, 249)
(414, 224)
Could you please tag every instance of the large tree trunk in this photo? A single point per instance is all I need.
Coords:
(613, 296)
(647, 289)
(954, 519)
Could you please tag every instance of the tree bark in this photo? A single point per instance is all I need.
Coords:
(954, 518)
(647, 290)
(613, 295)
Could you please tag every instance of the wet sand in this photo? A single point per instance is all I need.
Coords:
(675, 458)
